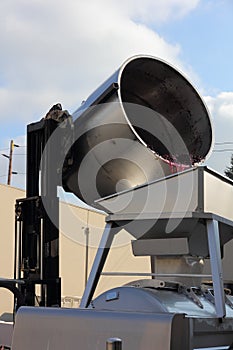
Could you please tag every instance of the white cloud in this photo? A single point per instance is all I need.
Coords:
(221, 109)
(221, 106)
(152, 11)
(225, 109)
(58, 51)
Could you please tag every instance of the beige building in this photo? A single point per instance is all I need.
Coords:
(74, 222)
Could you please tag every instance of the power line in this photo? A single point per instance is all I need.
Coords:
(6, 149)
(223, 150)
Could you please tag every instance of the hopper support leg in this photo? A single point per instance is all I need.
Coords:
(216, 267)
(98, 264)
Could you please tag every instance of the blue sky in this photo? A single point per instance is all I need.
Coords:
(58, 51)
(205, 36)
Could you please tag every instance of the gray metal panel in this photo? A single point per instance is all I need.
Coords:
(199, 189)
(218, 195)
(169, 246)
(6, 330)
(209, 332)
(59, 329)
(175, 193)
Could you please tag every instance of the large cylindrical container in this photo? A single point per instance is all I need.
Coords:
(144, 123)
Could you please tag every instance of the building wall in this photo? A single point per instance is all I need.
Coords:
(7, 214)
(75, 257)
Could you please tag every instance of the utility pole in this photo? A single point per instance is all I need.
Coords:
(10, 163)
(87, 232)
(10, 157)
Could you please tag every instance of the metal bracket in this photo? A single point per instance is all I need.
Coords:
(228, 302)
(189, 292)
(208, 294)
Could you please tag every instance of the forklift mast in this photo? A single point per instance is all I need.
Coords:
(37, 216)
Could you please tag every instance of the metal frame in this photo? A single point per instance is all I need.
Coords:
(213, 236)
